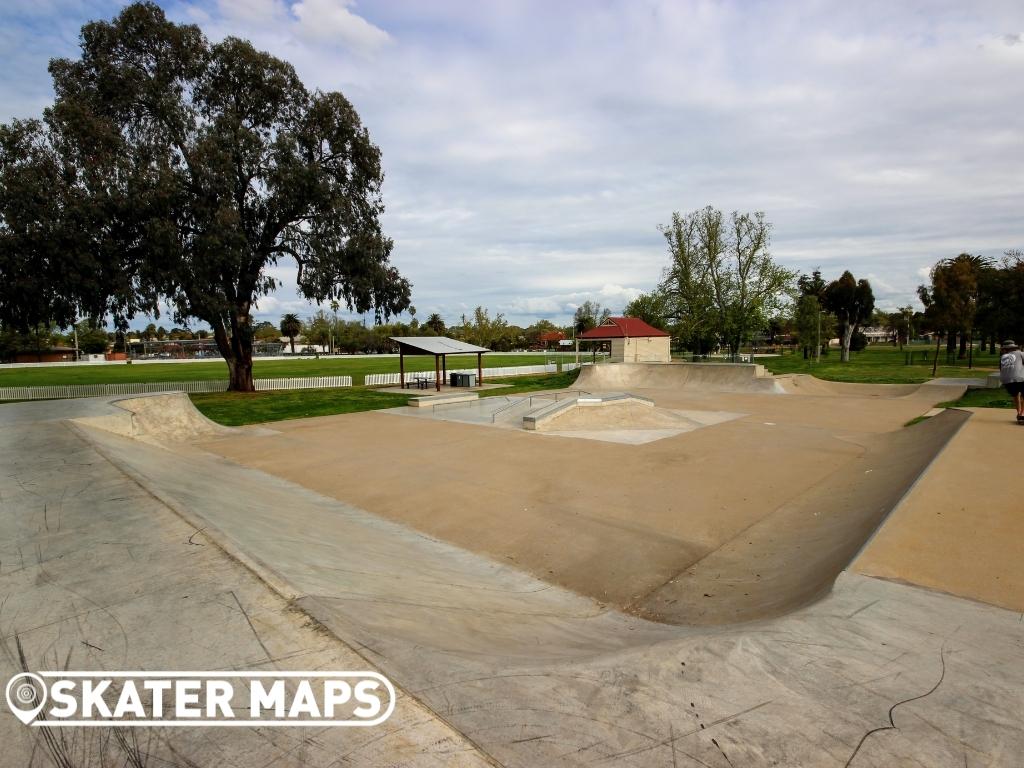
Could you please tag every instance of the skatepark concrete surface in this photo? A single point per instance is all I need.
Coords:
(953, 533)
(537, 600)
(98, 574)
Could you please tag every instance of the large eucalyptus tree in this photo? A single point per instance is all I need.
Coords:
(172, 169)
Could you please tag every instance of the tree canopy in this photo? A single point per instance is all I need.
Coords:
(721, 284)
(589, 314)
(852, 301)
(172, 169)
(951, 301)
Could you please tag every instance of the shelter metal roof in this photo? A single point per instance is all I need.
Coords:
(437, 345)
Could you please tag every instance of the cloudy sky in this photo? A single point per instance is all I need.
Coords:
(533, 148)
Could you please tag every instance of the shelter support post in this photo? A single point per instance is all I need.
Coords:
(437, 372)
(401, 367)
(479, 369)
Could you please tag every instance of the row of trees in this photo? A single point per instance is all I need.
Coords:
(89, 339)
(973, 297)
(479, 327)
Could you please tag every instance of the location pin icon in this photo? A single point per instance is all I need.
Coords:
(26, 696)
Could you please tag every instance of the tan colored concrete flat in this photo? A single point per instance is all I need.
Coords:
(961, 528)
(617, 522)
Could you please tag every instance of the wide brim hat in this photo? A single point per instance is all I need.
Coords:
(1009, 344)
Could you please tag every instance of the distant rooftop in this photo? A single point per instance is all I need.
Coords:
(622, 328)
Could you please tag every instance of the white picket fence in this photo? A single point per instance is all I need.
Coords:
(305, 382)
(378, 379)
(102, 390)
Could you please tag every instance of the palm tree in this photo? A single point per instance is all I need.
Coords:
(435, 323)
(291, 327)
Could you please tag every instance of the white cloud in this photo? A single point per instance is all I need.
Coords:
(532, 148)
(331, 20)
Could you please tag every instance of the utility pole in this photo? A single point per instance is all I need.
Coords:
(817, 348)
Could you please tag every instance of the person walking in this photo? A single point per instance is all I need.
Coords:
(1011, 374)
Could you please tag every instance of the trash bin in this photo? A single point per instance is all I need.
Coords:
(453, 380)
(470, 379)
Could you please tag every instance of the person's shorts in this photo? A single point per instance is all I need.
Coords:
(1015, 388)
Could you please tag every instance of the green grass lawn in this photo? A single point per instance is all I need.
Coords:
(235, 409)
(356, 367)
(879, 365)
(981, 398)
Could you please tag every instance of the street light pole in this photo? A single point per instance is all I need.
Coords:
(817, 348)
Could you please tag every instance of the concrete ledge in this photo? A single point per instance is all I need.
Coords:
(432, 400)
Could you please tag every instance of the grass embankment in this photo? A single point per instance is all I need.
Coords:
(981, 398)
(886, 365)
(234, 409)
(881, 365)
(356, 367)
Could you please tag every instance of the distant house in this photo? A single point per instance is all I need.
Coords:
(551, 338)
(877, 335)
(632, 340)
(49, 355)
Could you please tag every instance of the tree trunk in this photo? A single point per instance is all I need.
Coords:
(236, 349)
(848, 330)
(951, 343)
(291, 340)
(240, 372)
(963, 346)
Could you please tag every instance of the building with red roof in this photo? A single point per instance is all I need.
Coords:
(632, 340)
(551, 337)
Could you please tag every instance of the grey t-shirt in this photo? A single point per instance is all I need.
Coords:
(1011, 367)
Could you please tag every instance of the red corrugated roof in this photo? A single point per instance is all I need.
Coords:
(622, 327)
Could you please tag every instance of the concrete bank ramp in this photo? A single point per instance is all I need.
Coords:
(157, 419)
(792, 556)
(711, 377)
(934, 391)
